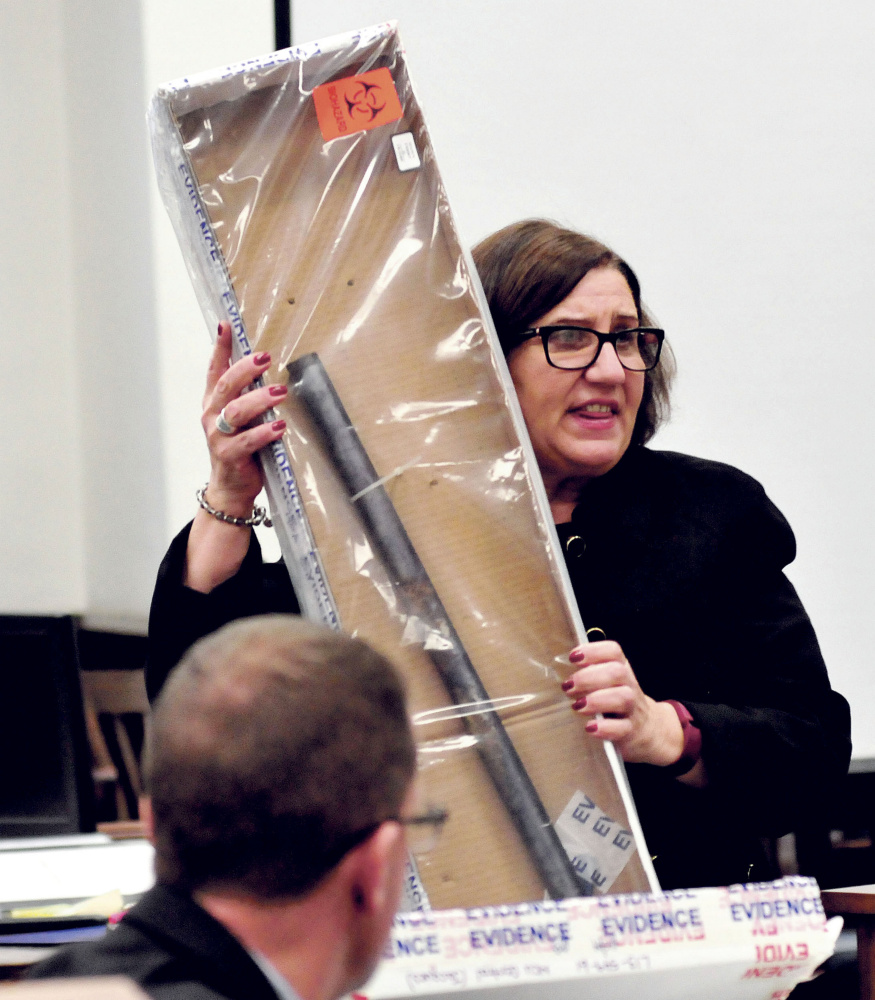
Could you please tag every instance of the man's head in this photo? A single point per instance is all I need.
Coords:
(275, 744)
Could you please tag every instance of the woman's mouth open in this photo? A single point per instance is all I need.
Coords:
(598, 413)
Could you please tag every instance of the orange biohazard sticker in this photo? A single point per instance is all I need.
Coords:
(357, 103)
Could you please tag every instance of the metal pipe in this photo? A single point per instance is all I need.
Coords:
(314, 388)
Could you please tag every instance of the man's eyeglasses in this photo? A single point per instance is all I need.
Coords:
(424, 830)
(574, 348)
(423, 833)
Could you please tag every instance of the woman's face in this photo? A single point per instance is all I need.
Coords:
(580, 422)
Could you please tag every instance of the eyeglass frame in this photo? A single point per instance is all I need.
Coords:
(434, 816)
(544, 333)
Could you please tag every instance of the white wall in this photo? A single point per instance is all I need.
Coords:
(42, 550)
(726, 150)
(182, 37)
(114, 310)
(105, 348)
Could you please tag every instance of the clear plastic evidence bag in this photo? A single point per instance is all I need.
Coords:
(304, 191)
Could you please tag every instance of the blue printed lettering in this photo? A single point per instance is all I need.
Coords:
(639, 923)
(427, 945)
(582, 810)
(602, 826)
(506, 936)
(770, 909)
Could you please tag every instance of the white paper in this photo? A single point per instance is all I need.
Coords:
(63, 873)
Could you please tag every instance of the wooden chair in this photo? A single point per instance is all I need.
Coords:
(117, 712)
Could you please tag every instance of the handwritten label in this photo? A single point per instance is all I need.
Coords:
(406, 154)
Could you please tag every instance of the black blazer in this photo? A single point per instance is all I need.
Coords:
(171, 948)
(681, 561)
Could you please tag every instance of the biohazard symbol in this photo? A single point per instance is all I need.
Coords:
(364, 101)
(357, 103)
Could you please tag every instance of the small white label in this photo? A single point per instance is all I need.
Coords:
(598, 846)
(405, 152)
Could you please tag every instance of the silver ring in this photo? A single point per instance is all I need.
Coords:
(222, 425)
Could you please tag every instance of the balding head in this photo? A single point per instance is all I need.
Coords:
(275, 743)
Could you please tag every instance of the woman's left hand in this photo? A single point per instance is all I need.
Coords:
(643, 730)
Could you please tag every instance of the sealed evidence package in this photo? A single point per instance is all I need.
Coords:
(305, 194)
(743, 942)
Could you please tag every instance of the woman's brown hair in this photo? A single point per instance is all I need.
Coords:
(529, 267)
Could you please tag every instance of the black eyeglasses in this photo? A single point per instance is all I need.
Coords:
(424, 830)
(574, 348)
(423, 833)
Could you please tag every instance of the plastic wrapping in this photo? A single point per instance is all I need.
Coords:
(305, 194)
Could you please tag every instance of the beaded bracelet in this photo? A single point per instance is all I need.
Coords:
(258, 515)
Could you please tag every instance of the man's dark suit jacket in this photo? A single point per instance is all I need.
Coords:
(681, 561)
(171, 948)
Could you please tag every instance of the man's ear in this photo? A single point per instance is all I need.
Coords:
(372, 878)
(376, 869)
(146, 818)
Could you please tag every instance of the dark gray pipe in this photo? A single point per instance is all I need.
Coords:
(314, 388)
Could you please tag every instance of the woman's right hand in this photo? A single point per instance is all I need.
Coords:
(216, 549)
(235, 476)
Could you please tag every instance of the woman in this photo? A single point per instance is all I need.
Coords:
(709, 682)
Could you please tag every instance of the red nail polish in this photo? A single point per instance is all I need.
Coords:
(579, 704)
(278, 390)
(220, 332)
(567, 685)
(576, 655)
(278, 425)
(592, 727)
(262, 359)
